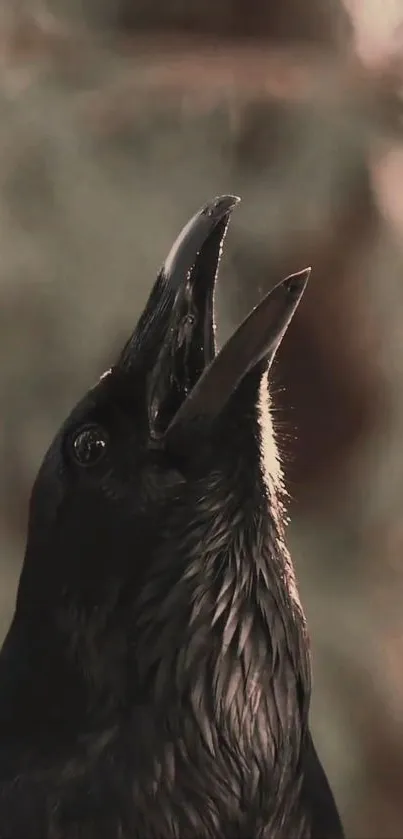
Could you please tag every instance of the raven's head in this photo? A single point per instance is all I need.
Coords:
(159, 487)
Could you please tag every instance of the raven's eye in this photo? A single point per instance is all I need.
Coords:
(89, 445)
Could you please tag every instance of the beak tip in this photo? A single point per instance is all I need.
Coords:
(295, 283)
(220, 206)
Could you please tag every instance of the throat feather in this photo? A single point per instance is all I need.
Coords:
(272, 479)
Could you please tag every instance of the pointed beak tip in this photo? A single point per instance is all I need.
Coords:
(221, 206)
(296, 283)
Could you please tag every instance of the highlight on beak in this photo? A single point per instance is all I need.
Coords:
(174, 340)
(194, 236)
(256, 339)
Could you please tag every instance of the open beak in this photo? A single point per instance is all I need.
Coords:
(256, 339)
(174, 341)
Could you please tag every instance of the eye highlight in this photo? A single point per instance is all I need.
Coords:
(89, 445)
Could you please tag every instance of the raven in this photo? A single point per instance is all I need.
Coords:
(155, 679)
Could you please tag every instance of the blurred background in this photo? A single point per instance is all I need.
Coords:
(118, 118)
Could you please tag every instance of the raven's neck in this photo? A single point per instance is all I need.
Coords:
(39, 689)
(218, 688)
(221, 641)
(62, 677)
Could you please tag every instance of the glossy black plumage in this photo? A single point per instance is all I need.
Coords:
(155, 680)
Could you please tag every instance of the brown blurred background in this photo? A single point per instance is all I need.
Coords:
(118, 118)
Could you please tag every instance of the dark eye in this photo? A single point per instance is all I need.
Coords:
(89, 445)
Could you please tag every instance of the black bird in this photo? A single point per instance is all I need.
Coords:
(155, 680)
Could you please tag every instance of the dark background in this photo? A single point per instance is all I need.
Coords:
(118, 118)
